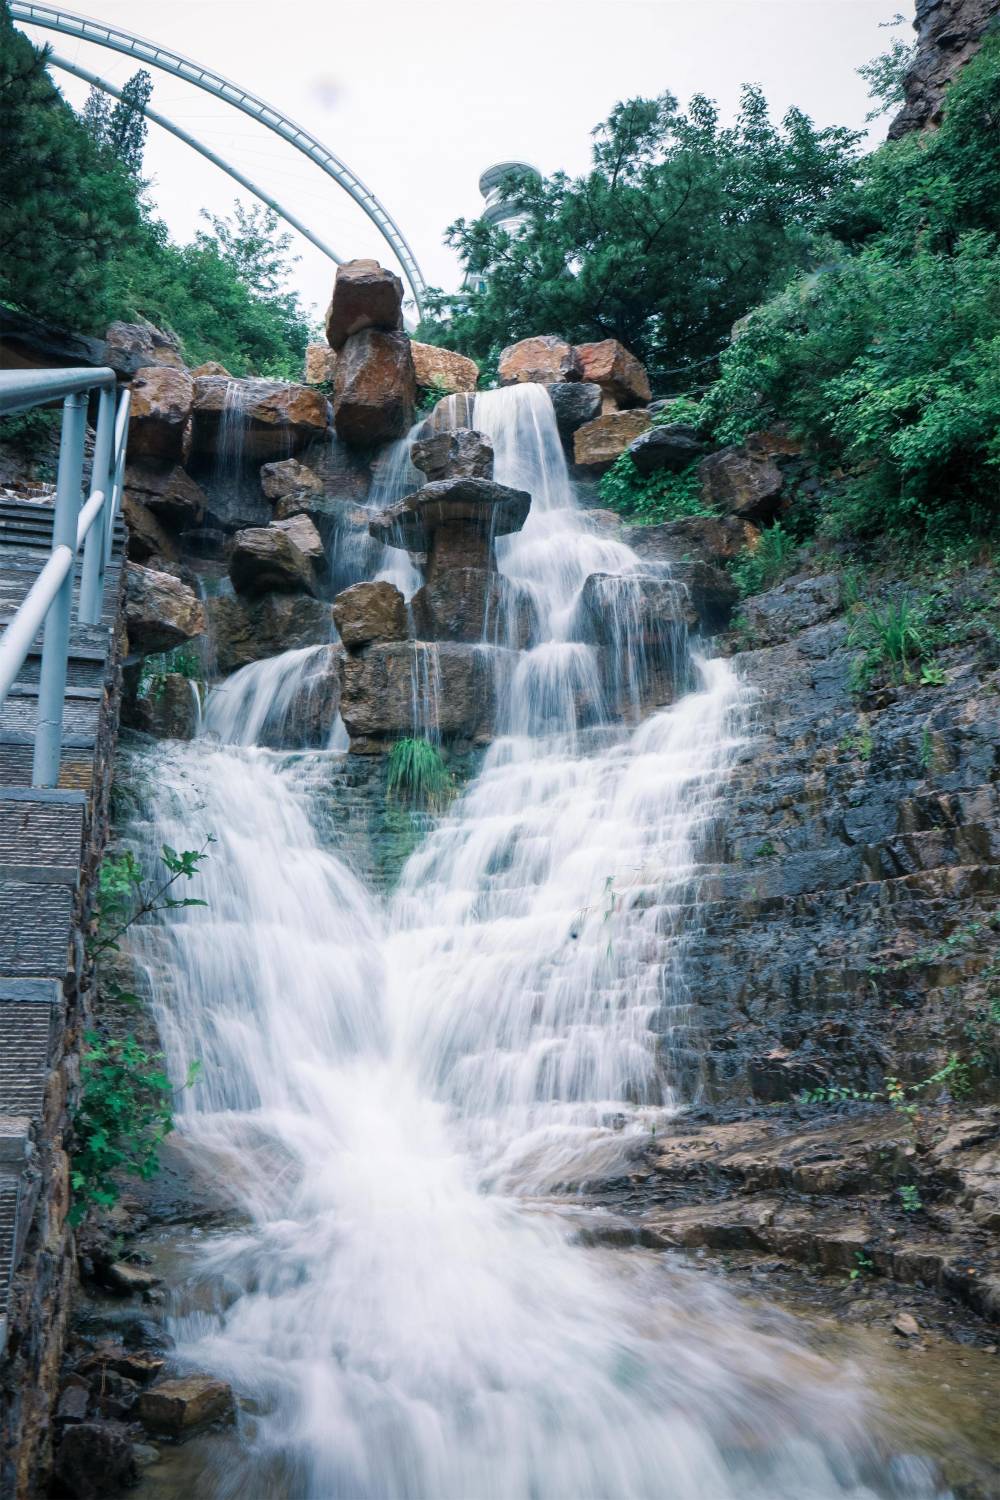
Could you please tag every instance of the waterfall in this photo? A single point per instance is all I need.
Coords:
(392, 1094)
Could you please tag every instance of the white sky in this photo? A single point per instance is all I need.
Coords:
(417, 96)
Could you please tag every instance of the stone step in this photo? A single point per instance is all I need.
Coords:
(35, 921)
(40, 834)
(28, 1008)
(85, 667)
(76, 767)
(18, 1194)
(81, 711)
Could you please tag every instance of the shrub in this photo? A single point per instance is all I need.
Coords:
(894, 636)
(767, 564)
(652, 498)
(418, 776)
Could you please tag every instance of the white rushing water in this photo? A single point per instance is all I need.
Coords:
(391, 1092)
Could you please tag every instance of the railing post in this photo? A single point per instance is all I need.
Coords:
(52, 681)
(101, 478)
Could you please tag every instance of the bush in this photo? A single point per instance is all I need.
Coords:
(769, 562)
(651, 498)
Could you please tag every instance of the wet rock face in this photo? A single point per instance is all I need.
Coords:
(462, 454)
(377, 691)
(250, 628)
(160, 611)
(169, 712)
(472, 604)
(712, 539)
(949, 33)
(375, 389)
(370, 612)
(623, 380)
(442, 369)
(666, 449)
(270, 419)
(640, 626)
(454, 521)
(597, 444)
(574, 402)
(147, 537)
(544, 360)
(166, 489)
(159, 413)
(365, 295)
(279, 558)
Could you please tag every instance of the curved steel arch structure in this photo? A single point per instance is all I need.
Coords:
(189, 140)
(53, 18)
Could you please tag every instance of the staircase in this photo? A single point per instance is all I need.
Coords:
(50, 840)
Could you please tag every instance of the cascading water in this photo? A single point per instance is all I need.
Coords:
(389, 1091)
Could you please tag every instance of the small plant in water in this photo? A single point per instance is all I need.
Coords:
(910, 1198)
(864, 1266)
(417, 775)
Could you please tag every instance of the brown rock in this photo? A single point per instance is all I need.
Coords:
(167, 490)
(464, 604)
(712, 595)
(712, 539)
(211, 367)
(454, 455)
(906, 1325)
(742, 482)
(365, 295)
(619, 374)
(247, 628)
(949, 33)
(443, 369)
(146, 537)
(95, 1459)
(305, 720)
(159, 413)
(266, 419)
(160, 611)
(378, 685)
(597, 444)
(176, 1408)
(132, 1364)
(321, 365)
(121, 1277)
(544, 359)
(267, 559)
(169, 711)
(375, 389)
(136, 346)
(286, 477)
(370, 612)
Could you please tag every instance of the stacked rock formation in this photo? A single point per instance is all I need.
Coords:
(374, 381)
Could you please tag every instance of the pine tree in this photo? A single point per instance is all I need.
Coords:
(127, 127)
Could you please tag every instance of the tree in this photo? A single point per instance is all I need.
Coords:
(681, 225)
(122, 130)
(250, 241)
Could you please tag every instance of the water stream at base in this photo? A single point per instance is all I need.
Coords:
(392, 1093)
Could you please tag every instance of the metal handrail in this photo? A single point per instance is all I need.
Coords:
(49, 601)
(117, 39)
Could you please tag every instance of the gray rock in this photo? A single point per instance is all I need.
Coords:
(454, 455)
(247, 628)
(160, 611)
(370, 612)
(268, 559)
(453, 520)
(668, 448)
(575, 402)
(95, 1459)
(791, 607)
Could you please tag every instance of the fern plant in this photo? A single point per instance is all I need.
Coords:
(418, 776)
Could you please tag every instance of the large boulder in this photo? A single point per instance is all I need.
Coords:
(95, 1459)
(287, 477)
(443, 369)
(131, 347)
(170, 710)
(254, 420)
(597, 444)
(178, 1407)
(711, 594)
(365, 295)
(246, 628)
(472, 604)
(320, 365)
(666, 449)
(303, 720)
(160, 610)
(159, 413)
(167, 490)
(743, 481)
(369, 612)
(384, 692)
(543, 359)
(621, 377)
(454, 521)
(278, 558)
(375, 390)
(454, 455)
(575, 402)
(640, 626)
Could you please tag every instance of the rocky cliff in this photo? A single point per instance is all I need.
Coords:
(949, 32)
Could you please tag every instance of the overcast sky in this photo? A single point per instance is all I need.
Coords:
(417, 96)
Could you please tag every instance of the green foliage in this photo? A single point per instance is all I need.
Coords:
(651, 498)
(126, 1100)
(860, 743)
(429, 396)
(887, 359)
(894, 637)
(955, 1074)
(765, 850)
(884, 75)
(680, 226)
(910, 1198)
(418, 776)
(79, 244)
(770, 561)
(184, 660)
(28, 431)
(864, 1266)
